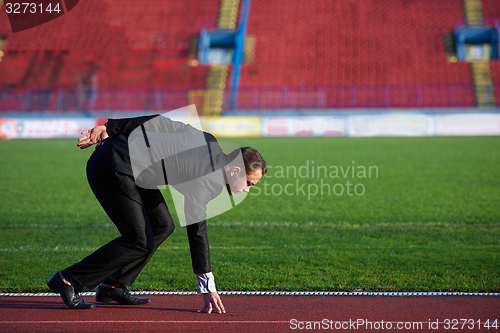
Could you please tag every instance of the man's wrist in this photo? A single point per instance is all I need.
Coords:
(206, 283)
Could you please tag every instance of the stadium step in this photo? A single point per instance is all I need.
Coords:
(228, 14)
(249, 51)
(474, 12)
(216, 83)
(217, 77)
(209, 101)
(481, 70)
(483, 83)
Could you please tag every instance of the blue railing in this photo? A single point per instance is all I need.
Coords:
(249, 98)
(383, 96)
(78, 100)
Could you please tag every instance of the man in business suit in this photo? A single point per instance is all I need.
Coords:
(124, 172)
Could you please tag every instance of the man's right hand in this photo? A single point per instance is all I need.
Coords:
(212, 302)
(92, 136)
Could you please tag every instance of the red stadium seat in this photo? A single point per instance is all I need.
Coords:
(116, 40)
(357, 42)
(348, 51)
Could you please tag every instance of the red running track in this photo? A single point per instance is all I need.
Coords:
(258, 313)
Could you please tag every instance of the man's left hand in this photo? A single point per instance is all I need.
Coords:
(92, 136)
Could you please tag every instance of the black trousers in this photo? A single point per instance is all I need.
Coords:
(142, 218)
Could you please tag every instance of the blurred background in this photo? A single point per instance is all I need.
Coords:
(317, 67)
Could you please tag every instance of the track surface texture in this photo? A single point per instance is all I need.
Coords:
(257, 313)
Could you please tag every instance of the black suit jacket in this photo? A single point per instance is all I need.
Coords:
(176, 169)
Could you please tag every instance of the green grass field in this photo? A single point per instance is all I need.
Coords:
(426, 219)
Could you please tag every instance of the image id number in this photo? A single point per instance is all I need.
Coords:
(462, 324)
(33, 8)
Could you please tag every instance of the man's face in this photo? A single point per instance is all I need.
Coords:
(240, 182)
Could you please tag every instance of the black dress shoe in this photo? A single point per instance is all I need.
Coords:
(70, 297)
(120, 295)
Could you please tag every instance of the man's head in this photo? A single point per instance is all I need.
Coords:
(241, 177)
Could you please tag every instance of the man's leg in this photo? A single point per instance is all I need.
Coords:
(120, 198)
(161, 224)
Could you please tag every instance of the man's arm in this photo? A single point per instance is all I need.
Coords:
(195, 205)
(200, 256)
(197, 194)
(114, 126)
(126, 125)
(198, 244)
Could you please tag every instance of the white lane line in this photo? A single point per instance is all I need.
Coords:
(147, 322)
(65, 322)
(280, 293)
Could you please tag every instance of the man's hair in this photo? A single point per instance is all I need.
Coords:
(251, 158)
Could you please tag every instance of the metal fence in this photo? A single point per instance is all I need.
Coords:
(78, 100)
(409, 96)
(248, 98)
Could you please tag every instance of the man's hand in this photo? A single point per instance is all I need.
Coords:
(211, 302)
(92, 136)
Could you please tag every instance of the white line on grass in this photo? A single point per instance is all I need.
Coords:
(165, 248)
(255, 247)
(336, 224)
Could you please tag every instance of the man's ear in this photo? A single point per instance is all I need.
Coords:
(235, 171)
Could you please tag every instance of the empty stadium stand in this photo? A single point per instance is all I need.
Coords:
(320, 54)
(353, 43)
(121, 42)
